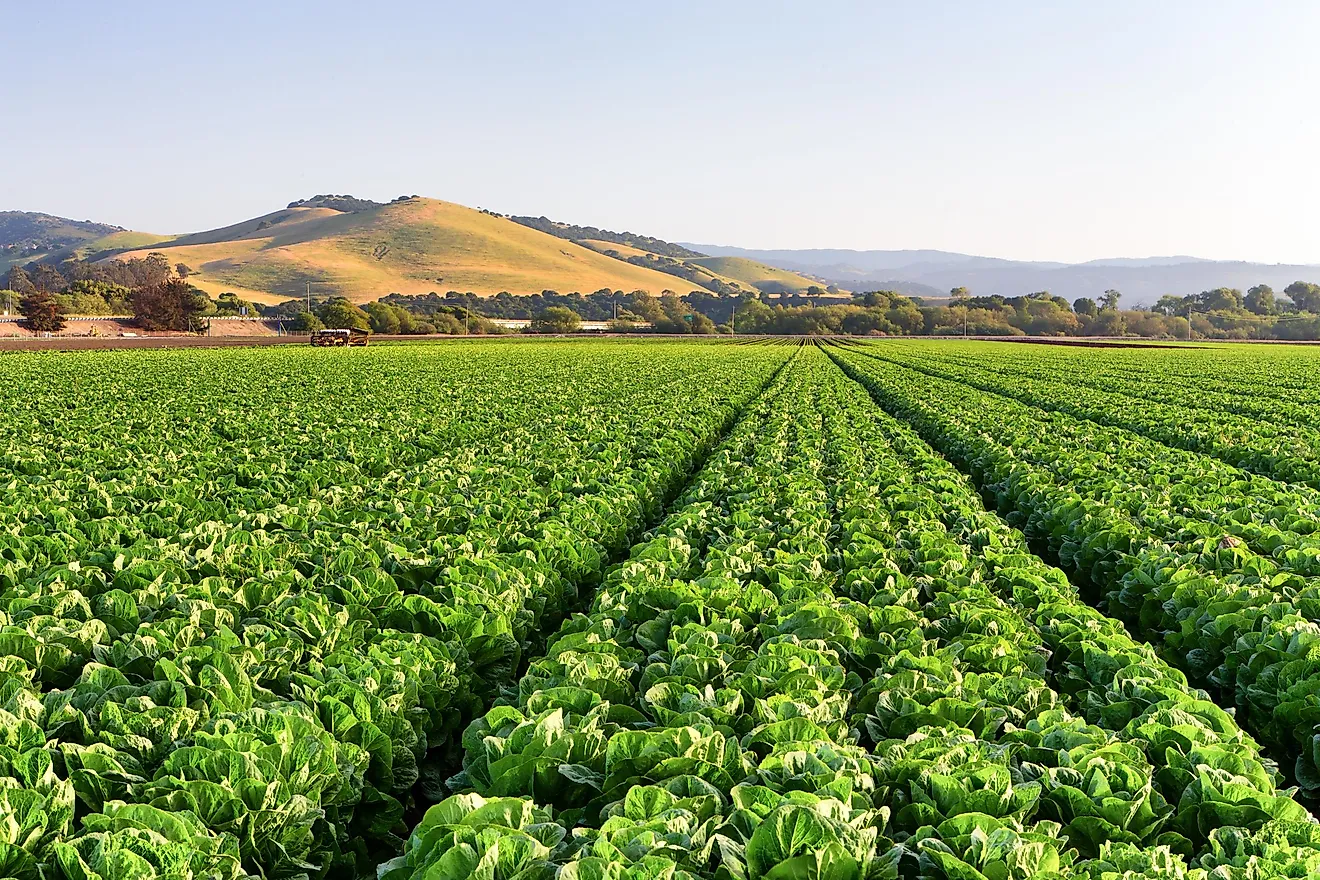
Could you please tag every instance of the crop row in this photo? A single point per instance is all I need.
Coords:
(1239, 622)
(1284, 451)
(1193, 502)
(1254, 384)
(830, 662)
(221, 656)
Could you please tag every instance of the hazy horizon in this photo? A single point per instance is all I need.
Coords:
(1012, 131)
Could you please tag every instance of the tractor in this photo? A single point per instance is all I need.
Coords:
(346, 336)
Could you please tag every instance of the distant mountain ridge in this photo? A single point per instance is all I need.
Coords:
(38, 231)
(1142, 280)
(27, 236)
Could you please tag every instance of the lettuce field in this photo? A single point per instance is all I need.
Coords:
(616, 610)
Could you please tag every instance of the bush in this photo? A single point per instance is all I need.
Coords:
(556, 319)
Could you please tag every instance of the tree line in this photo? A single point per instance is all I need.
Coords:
(154, 293)
(1223, 313)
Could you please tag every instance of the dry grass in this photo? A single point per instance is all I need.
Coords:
(411, 247)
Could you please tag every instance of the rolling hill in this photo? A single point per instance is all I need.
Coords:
(763, 277)
(27, 236)
(365, 250)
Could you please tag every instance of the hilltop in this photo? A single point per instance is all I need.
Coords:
(364, 250)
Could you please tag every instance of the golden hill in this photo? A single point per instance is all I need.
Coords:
(409, 247)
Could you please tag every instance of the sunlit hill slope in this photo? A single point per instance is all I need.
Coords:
(408, 246)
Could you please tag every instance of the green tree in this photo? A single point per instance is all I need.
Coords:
(1170, 305)
(340, 314)
(1260, 300)
(448, 323)
(383, 318)
(1108, 322)
(228, 303)
(1084, 305)
(904, 314)
(1045, 317)
(1305, 296)
(42, 312)
(556, 319)
(1222, 299)
(702, 325)
(306, 322)
(1109, 300)
(646, 306)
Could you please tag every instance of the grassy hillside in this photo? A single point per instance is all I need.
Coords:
(764, 278)
(409, 247)
(743, 274)
(118, 241)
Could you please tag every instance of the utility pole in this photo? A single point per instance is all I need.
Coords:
(309, 293)
(466, 313)
(1189, 323)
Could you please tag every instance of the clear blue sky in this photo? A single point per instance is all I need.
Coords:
(1063, 131)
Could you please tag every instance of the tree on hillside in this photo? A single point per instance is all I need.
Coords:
(1084, 305)
(1305, 296)
(42, 312)
(156, 264)
(47, 279)
(19, 281)
(340, 314)
(172, 304)
(1260, 300)
(1109, 300)
(183, 270)
(556, 319)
